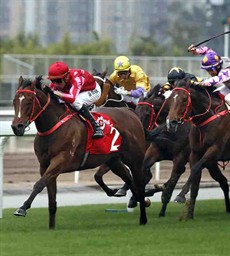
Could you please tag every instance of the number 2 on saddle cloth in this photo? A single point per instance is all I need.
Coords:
(111, 141)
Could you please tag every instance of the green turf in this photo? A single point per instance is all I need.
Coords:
(89, 230)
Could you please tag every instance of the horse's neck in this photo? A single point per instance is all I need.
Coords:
(54, 113)
(203, 101)
(162, 110)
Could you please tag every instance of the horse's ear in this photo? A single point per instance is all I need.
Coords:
(104, 73)
(33, 84)
(94, 72)
(20, 81)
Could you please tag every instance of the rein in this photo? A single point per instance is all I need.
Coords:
(152, 121)
(153, 116)
(100, 78)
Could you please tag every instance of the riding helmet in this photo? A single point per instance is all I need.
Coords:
(175, 73)
(58, 70)
(211, 60)
(121, 63)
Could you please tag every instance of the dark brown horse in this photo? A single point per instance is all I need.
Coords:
(167, 145)
(209, 135)
(61, 143)
(109, 98)
(153, 110)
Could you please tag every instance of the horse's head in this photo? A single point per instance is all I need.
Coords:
(179, 104)
(152, 109)
(100, 77)
(29, 102)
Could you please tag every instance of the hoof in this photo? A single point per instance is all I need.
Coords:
(132, 203)
(180, 199)
(120, 192)
(147, 202)
(20, 212)
(143, 222)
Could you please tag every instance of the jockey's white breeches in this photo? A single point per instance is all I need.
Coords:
(87, 97)
(223, 89)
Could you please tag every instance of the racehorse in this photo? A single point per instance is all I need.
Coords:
(208, 137)
(108, 99)
(153, 110)
(165, 145)
(63, 143)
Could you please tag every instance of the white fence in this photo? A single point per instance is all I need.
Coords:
(14, 65)
(5, 133)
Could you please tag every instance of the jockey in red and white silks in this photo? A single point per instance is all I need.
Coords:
(76, 87)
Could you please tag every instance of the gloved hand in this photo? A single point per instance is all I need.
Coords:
(199, 84)
(191, 48)
(121, 91)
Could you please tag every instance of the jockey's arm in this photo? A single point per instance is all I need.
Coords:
(142, 85)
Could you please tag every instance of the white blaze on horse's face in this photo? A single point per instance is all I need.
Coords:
(175, 97)
(21, 98)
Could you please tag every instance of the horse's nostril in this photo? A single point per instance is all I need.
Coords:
(174, 122)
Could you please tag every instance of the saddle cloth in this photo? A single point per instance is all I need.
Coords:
(111, 141)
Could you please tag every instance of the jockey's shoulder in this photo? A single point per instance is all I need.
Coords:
(136, 68)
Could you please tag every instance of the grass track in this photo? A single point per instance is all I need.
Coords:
(89, 230)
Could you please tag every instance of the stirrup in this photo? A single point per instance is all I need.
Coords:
(98, 134)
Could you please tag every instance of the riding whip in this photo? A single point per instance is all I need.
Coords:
(227, 32)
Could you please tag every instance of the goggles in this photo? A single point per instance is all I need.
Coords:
(121, 73)
(57, 81)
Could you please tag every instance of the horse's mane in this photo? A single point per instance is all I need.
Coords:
(40, 84)
(26, 82)
(203, 90)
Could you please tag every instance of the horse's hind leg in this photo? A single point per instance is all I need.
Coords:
(134, 182)
(52, 192)
(217, 175)
(148, 176)
(103, 169)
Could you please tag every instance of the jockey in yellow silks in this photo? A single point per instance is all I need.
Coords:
(132, 79)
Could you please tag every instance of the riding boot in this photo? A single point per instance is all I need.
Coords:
(98, 133)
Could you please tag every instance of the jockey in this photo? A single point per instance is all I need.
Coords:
(78, 88)
(135, 83)
(177, 73)
(214, 65)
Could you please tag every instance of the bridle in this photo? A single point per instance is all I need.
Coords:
(189, 105)
(33, 116)
(153, 115)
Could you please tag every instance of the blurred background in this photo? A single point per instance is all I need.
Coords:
(89, 34)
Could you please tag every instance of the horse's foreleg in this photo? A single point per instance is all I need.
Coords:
(177, 171)
(38, 187)
(217, 175)
(188, 211)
